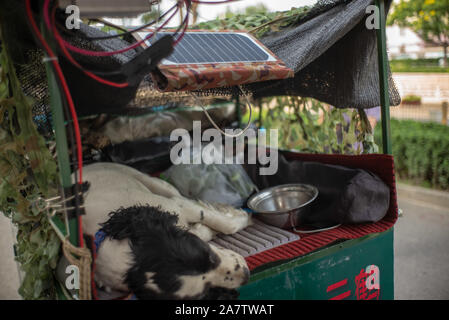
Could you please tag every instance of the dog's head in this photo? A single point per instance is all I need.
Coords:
(170, 262)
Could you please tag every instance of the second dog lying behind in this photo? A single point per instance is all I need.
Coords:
(156, 240)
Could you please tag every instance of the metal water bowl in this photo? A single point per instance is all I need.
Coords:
(283, 206)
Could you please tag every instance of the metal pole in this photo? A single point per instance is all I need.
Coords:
(383, 78)
(444, 108)
(61, 146)
(62, 149)
(382, 59)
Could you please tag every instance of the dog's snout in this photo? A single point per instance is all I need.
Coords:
(245, 275)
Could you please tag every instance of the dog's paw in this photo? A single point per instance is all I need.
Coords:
(203, 232)
(223, 218)
(236, 223)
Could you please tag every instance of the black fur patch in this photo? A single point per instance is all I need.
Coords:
(159, 246)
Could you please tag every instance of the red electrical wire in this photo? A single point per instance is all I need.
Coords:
(61, 77)
(104, 53)
(68, 96)
(65, 44)
(73, 61)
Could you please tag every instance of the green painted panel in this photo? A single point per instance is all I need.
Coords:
(312, 276)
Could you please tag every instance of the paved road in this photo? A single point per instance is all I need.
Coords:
(421, 253)
(9, 278)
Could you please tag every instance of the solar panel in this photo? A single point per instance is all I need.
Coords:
(205, 59)
(220, 47)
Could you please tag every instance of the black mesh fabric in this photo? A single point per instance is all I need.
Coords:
(334, 57)
(33, 78)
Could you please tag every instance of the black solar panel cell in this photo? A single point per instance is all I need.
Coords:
(215, 47)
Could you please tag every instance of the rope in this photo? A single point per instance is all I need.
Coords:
(81, 258)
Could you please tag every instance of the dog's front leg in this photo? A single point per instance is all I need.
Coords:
(221, 218)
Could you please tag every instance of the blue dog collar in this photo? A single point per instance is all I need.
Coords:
(100, 235)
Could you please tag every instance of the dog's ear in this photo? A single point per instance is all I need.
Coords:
(132, 221)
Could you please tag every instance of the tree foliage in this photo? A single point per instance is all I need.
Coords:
(428, 18)
(307, 125)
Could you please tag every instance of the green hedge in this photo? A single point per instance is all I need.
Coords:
(411, 99)
(421, 152)
(416, 65)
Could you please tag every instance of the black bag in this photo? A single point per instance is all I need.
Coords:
(346, 195)
(148, 155)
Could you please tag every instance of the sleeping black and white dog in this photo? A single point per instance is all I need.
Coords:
(156, 241)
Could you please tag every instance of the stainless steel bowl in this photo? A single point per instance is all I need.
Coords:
(283, 206)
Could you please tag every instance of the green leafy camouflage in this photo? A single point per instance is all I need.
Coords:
(27, 172)
(310, 126)
(258, 23)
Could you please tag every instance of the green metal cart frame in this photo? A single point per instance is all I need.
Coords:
(306, 277)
